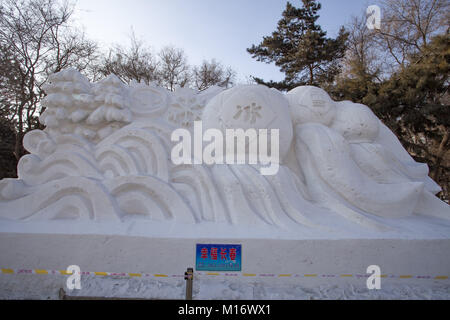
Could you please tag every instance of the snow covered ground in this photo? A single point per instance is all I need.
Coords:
(47, 287)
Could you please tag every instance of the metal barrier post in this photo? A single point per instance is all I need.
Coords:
(189, 277)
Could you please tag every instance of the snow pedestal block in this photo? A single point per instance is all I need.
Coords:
(270, 265)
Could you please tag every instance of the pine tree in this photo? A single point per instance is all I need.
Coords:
(301, 49)
(414, 102)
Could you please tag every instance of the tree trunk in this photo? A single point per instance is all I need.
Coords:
(311, 76)
(18, 149)
(440, 153)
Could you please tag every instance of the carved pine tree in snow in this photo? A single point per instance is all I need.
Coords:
(112, 110)
(68, 103)
(73, 105)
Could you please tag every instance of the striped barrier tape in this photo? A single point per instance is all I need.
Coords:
(223, 274)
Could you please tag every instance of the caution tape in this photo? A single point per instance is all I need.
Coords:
(103, 274)
(216, 274)
(314, 275)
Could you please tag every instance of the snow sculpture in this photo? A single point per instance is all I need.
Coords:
(75, 106)
(311, 104)
(187, 106)
(250, 106)
(105, 156)
(345, 164)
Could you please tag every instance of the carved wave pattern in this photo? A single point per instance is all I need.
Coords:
(125, 174)
(128, 175)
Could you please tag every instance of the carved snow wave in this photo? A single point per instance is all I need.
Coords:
(129, 175)
(126, 174)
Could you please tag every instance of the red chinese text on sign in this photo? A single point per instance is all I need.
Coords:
(233, 253)
(223, 253)
(214, 253)
(204, 253)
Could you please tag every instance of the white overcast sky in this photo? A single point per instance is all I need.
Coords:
(205, 29)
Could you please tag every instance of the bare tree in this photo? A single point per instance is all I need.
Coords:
(408, 25)
(361, 56)
(211, 73)
(41, 41)
(9, 84)
(173, 68)
(133, 63)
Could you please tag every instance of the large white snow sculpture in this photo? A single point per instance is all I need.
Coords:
(105, 156)
(346, 163)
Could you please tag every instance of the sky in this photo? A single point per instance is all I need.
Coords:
(205, 29)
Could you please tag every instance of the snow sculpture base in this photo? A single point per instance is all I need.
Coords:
(117, 250)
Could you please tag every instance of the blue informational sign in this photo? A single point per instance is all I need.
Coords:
(218, 257)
